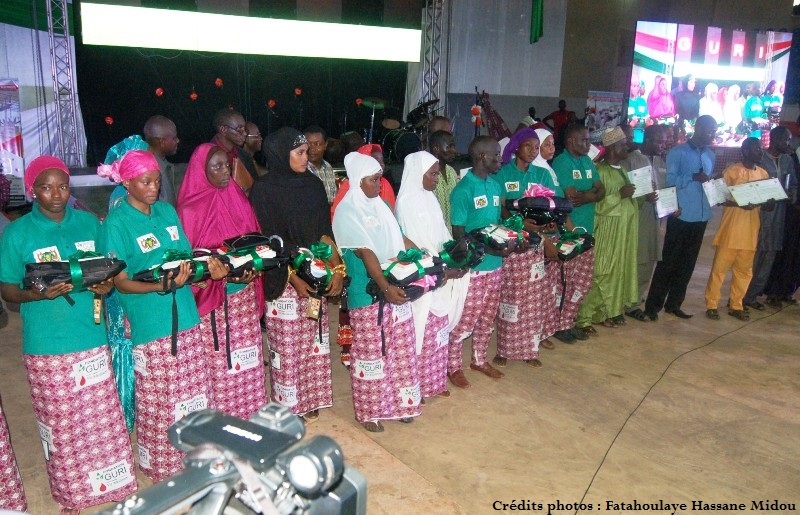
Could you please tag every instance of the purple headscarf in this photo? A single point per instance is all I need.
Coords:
(516, 140)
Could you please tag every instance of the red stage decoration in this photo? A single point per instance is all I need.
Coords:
(193, 96)
(109, 120)
(159, 92)
(477, 121)
(271, 103)
(359, 102)
(218, 82)
(298, 91)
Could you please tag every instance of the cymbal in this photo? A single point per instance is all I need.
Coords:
(374, 102)
(425, 105)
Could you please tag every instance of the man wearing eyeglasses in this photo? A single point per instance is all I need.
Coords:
(252, 145)
(231, 135)
(162, 137)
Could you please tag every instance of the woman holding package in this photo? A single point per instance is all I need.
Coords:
(212, 208)
(575, 275)
(65, 350)
(172, 378)
(421, 220)
(291, 202)
(383, 373)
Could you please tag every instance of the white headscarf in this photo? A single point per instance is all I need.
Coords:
(543, 134)
(417, 210)
(363, 222)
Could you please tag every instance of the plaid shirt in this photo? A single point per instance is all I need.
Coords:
(327, 176)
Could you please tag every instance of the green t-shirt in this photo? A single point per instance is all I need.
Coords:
(475, 204)
(51, 327)
(141, 240)
(582, 174)
(357, 296)
(514, 181)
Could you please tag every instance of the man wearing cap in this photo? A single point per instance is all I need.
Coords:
(614, 282)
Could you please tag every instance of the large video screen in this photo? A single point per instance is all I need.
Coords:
(681, 72)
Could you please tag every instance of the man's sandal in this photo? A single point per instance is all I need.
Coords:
(713, 314)
(740, 314)
(637, 314)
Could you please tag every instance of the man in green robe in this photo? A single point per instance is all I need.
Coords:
(614, 282)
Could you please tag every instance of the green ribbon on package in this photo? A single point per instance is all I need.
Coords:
(448, 259)
(182, 255)
(515, 223)
(75, 265)
(408, 256)
(321, 251)
(258, 261)
(572, 237)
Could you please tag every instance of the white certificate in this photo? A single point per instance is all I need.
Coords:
(667, 202)
(757, 192)
(642, 178)
(716, 191)
(593, 152)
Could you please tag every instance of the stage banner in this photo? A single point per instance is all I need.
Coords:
(11, 149)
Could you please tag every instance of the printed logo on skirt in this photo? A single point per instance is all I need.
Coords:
(509, 312)
(321, 347)
(285, 395)
(144, 456)
(402, 312)
(369, 370)
(196, 403)
(284, 308)
(46, 435)
(139, 361)
(110, 478)
(90, 371)
(244, 359)
(537, 271)
(442, 337)
(275, 359)
(410, 395)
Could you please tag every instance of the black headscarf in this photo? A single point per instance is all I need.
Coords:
(292, 205)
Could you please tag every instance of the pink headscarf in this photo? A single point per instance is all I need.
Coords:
(210, 215)
(132, 165)
(39, 165)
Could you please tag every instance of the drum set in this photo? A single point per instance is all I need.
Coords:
(397, 138)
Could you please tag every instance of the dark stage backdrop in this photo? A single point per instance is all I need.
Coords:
(119, 88)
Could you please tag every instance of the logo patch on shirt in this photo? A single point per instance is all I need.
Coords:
(173, 232)
(46, 255)
(480, 202)
(496, 201)
(576, 174)
(148, 242)
(512, 186)
(588, 174)
(86, 246)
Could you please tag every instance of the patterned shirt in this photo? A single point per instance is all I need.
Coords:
(443, 190)
(327, 176)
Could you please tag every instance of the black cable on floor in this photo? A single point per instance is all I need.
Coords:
(663, 373)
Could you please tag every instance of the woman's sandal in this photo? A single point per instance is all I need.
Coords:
(740, 314)
(373, 427)
(608, 323)
(712, 314)
(588, 330)
(619, 320)
(638, 314)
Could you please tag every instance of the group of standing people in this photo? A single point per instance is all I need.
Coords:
(197, 344)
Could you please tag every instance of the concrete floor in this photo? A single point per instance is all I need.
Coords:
(674, 411)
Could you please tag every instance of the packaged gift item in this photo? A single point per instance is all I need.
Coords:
(574, 243)
(82, 270)
(198, 264)
(463, 253)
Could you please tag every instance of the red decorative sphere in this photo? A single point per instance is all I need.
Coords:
(298, 91)
(271, 103)
(359, 101)
(193, 96)
(159, 92)
(109, 120)
(218, 82)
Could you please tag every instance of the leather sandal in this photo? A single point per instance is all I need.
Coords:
(712, 314)
(444, 394)
(637, 314)
(406, 420)
(608, 323)
(373, 427)
(500, 361)
(619, 320)
(535, 363)
(588, 330)
(547, 344)
(740, 314)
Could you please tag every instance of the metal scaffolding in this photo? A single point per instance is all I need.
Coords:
(434, 17)
(69, 133)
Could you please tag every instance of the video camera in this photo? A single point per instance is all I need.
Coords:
(234, 466)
